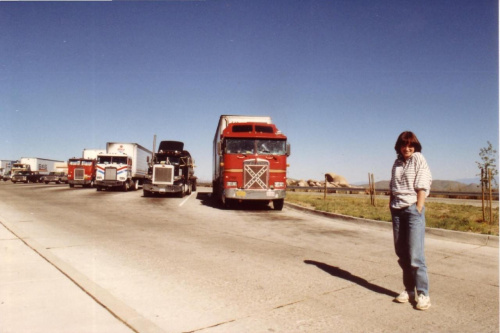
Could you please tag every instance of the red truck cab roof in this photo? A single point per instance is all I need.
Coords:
(253, 130)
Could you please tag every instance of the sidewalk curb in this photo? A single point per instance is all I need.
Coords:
(121, 311)
(456, 236)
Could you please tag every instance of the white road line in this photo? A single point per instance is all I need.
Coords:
(184, 201)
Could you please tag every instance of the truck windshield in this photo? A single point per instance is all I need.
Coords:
(271, 147)
(240, 146)
(86, 163)
(112, 159)
(263, 146)
(74, 162)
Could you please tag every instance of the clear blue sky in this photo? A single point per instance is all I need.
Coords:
(341, 79)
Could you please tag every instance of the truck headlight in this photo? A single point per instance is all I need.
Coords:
(231, 184)
(279, 184)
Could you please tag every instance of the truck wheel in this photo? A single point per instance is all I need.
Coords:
(194, 186)
(225, 202)
(135, 185)
(146, 193)
(278, 204)
(125, 186)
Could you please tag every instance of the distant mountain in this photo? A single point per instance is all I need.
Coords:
(440, 185)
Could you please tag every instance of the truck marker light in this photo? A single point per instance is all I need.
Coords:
(221, 164)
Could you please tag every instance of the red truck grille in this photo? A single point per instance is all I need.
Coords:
(256, 174)
(79, 174)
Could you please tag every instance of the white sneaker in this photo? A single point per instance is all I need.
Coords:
(405, 296)
(423, 302)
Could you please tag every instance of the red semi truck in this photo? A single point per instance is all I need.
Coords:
(249, 161)
(81, 171)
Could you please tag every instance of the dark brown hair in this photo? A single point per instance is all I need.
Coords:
(407, 138)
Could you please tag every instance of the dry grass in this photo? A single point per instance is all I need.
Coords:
(464, 218)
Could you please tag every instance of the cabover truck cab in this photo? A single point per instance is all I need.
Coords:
(250, 161)
(5, 168)
(82, 171)
(124, 166)
(171, 171)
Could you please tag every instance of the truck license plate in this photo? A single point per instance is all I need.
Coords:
(241, 194)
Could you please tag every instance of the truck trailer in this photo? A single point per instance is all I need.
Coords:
(82, 170)
(249, 161)
(124, 166)
(171, 171)
(32, 169)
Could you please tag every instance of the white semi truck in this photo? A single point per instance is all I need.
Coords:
(31, 169)
(124, 166)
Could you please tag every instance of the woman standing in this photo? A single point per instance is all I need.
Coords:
(410, 185)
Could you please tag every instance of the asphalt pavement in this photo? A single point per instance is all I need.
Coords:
(38, 295)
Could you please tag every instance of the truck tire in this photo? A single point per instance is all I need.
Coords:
(135, 185)
(278, 204)
(125, 186)
(146, 193)
(194, 186)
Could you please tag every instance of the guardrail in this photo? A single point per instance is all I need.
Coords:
(362, 190)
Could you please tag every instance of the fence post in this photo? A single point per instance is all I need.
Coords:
(374, 193)
(324, 196)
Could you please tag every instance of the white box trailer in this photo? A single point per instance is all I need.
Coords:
(91, 154)
(124, 165)
(39, 165)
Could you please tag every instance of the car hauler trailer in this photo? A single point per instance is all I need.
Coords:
(31, 169)
(124, 165)
(171, 170)
(82, 171)
(249, 161)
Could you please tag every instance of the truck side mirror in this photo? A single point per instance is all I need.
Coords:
(219, 148)
(288, 149)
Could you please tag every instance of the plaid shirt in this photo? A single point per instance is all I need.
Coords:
(407, 178)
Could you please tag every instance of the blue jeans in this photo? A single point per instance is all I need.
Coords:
(408, 226)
